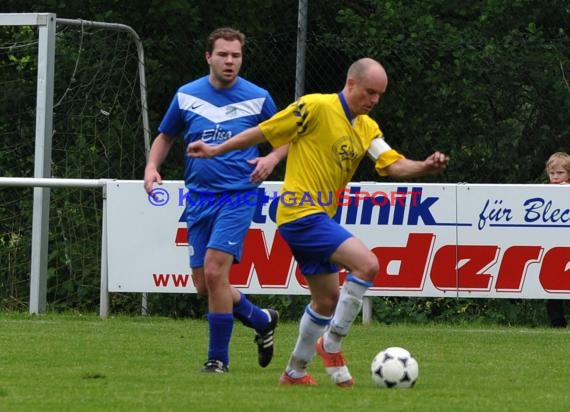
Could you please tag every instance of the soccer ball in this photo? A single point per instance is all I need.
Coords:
(394, 367)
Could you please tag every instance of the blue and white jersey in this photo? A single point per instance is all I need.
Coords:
(201, 111)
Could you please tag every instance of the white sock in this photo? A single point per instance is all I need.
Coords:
(311, 327)
(347, 309)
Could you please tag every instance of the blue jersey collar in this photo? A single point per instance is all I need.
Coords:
(345, 107)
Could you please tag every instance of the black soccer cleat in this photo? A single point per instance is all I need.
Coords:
(214, 366)
(265, 340)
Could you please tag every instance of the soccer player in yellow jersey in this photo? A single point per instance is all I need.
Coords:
(328, 136)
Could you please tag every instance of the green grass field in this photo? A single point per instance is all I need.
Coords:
(83, 363)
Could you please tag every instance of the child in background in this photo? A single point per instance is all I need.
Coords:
(558, 171)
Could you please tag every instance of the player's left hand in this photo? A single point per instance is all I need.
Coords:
(200, 149)
(263, 167)
(437, 162)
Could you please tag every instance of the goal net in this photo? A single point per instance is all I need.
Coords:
(98, 133)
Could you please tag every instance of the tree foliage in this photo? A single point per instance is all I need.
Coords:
(485, 82)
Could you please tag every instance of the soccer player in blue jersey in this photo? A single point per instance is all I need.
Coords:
(328, 135)
(215, 108)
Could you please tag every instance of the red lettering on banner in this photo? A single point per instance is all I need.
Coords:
(453, 267)
(273, 268)
(463, 267)
(160, 279)
(413, 260)
(514, 264)
(178, 280)
(181, 236)
(555, 271)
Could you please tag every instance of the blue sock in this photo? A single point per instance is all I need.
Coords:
(221, 325)
(251, 315)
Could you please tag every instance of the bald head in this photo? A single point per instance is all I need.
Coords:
(361, 67)
(366, 82)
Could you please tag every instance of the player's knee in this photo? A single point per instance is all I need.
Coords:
(325, 305)
(373, 269)
(368, 268)
(216, 282)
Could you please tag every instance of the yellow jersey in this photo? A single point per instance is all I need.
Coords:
(325, 149)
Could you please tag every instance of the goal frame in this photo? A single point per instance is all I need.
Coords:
(46, 24)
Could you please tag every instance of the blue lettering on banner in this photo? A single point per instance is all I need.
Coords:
(538, 209)
(494, 214)
(536, 212)
(395, 208)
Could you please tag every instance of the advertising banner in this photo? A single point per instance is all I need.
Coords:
(431, 240)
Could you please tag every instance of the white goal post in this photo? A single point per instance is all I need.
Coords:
(45, 22)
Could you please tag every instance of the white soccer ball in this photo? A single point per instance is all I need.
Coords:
(394, 367)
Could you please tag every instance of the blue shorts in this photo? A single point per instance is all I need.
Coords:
(313, 239)
(219, 222)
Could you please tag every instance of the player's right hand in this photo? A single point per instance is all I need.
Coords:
(151, 176)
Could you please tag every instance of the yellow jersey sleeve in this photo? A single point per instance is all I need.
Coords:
(385, 160)
(285, 125)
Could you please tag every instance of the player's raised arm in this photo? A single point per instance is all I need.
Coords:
(247, 138)
(434, 164)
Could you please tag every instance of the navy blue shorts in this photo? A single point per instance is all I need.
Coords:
(217, 222)
(313, 239)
